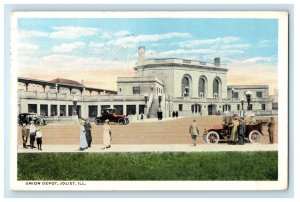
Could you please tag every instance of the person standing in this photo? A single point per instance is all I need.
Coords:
(235, 124)
(32, 131)
(173, 114)
(39, 139)
(88, 132)
(83, 142)
(142, 116)
(106, 135)
(242, 131)
(176, 114)
(194, 132)
(25, 134)
(271, 126)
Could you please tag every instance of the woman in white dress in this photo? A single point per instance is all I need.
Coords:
(83, 142)
(106, 134)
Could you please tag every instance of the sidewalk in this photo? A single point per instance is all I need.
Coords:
(154, 148)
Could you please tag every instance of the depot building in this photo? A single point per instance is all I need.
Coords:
(190, 87)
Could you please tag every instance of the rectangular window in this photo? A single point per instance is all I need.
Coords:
(238, 107)
(93, 111)
(136, 90)
(70, 110)
(263, 106)
(235, 94)
(180, 107)
(44, 110)
(131, 109)
(32, 108)
(259, 94)
(62, 110)
(53, 110)
(119, 109)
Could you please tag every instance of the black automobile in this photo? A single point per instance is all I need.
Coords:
(28, 117)
(112, 116)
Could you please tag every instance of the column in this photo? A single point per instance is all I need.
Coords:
(99, 110)
(137, 109)
(38, 107)
(58, 109)
(67, 109)
(49, 110)
(124, 109)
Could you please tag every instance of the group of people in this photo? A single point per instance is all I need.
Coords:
(33, 133)
(175, 114)
(86, 134)
(236, 127)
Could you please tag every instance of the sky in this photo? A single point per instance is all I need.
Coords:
(97, 50)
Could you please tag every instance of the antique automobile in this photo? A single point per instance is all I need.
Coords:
(112, 116)
(27, 117)
(221, 133)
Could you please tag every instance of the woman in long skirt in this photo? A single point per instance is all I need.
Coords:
(83, 142)
(106, 134)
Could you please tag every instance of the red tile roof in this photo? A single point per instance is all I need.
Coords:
(66, 81)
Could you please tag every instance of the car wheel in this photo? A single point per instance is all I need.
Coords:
(212, 137)
(126, 121)
(255, 136)
(121, 121)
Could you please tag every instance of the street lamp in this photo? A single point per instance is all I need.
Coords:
(242, 103)
(74, 105)
(248, 97)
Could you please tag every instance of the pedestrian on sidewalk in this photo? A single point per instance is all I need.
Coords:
(194, 132)
(106, 135)
(88, 131)
(25, 135)
(173, 114)
(39, 140)
(235, 124)
(271, 126)
(241, 131)
(83, 142)
(176, 114)
(32, 131)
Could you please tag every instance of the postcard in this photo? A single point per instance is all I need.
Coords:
(148, 100)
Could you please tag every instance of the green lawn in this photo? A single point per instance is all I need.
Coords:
(149, 166)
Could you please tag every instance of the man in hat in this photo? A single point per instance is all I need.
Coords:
(271, 126)
(194, 132)
(88, 132)
(32, 130)
(106, 135)
(25, 134)
(241, 131)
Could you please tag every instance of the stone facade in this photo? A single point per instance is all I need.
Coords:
(190, 87)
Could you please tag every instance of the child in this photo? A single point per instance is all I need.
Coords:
(39, 139)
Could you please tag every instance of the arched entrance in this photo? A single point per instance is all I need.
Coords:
(196, 108)
(212, 109)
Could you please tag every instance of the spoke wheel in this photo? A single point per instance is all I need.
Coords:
(212, 137)
(255, 137)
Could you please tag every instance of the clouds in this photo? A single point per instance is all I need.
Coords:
(72, 32)
(218, 40)
(68, 47)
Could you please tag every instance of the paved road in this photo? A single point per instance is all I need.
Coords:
(154, 148)
(169, 131)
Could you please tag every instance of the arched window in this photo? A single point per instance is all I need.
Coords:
(186, 85)
(217, 87)
(201, 87)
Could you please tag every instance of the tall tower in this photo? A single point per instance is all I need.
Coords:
(141, 54)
